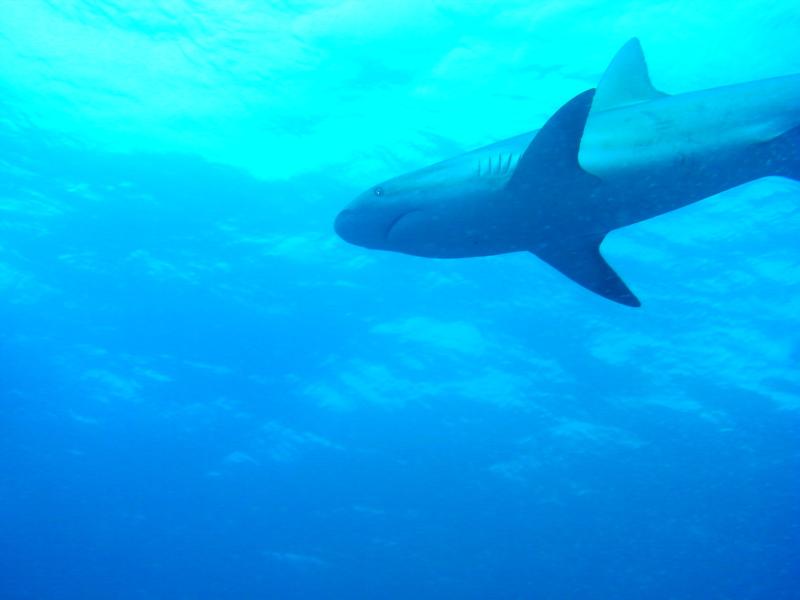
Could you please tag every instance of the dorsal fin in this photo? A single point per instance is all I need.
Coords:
(626, 80)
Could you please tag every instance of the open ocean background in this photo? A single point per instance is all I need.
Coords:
(206, 395)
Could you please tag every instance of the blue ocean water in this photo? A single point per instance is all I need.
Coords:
(207, 395)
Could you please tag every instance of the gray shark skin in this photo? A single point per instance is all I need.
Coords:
(608, 158)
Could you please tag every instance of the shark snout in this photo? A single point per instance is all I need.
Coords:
(369, 227)
(346, 225)
(359, 227)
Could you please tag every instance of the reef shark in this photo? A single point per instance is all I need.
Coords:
(610, 157)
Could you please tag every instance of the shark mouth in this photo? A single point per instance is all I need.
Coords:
(394, 222)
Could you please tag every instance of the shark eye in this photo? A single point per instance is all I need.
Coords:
(378, 191)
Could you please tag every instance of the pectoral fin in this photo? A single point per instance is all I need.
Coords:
(553, 154)
(580, 260)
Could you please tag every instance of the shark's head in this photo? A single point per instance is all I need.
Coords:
(378, 216)
(421, 213)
